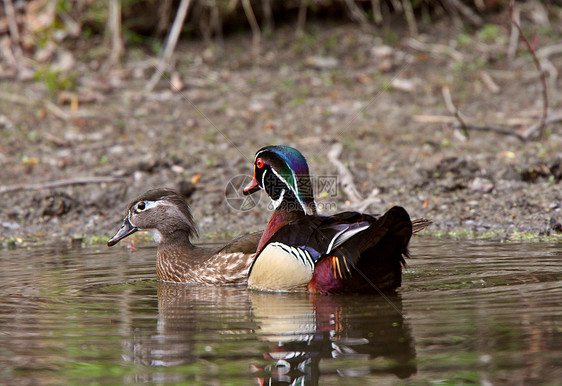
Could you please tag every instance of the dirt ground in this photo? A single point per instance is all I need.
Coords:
(376, 93)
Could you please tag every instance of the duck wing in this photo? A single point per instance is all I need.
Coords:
(247, 243)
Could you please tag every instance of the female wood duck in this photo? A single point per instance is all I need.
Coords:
(166, 212)
(299, 250)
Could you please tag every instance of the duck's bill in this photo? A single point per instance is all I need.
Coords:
(252, 187)
(126, 229)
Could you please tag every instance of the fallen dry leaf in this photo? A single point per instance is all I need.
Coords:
(195, 179)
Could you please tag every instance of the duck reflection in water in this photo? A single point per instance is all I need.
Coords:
(304, 329)
(299, 331)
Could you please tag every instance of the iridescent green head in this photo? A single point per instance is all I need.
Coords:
(282, 172)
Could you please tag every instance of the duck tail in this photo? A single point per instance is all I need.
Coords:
(394, 226)
(420, 224)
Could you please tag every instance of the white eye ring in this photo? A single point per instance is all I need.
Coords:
(140, 206)
(144, 205)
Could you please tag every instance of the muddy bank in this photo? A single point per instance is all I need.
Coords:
(375, 94)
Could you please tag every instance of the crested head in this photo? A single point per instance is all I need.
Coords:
(163, 210)
(282, 171)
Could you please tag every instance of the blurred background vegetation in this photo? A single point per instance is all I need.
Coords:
(43, 39)
(98, 28)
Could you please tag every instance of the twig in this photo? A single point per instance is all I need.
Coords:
(541, 125)
(56, 140)
(449, 119)
(505, 131)
(114, 27)
(170, 44)
(551, 69)
(438, 49)
(12, 24)
(489, 82)
(410, 17)
(453, 109)
(547, 51)
(268, 14)
(256, 32)
(495, 129)
(472, 17)
(544, 119)
(215, 22)
(377, 13)
(361, 206)
(164, 12)
(14, 33)
(453, 13)
(396, 5)
(357, 14)
(301, 19)
(463, 126)
(60, 183)
(480, 5)
(549, 120)
(513, 36)
(56, 110)
(346, 179)
(434, 119)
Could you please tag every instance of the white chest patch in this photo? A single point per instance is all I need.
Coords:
(281, 268)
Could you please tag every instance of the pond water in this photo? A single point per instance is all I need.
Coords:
(468, 312)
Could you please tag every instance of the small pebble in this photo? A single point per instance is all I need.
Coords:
(482, 185)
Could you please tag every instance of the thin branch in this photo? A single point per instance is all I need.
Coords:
(410, 17)
(373, 198)
(489, 82)
(357, 14)
(268, 15)
(256, 32)
(215, 22)
(61, 183)
(114, 28)
(549, 120)
(480, 5)
(545, 52)
(170, 44)
(513, 36)
(12, 24)
(550, 68)
(164, 12)
(57, 111)
(377, 13)
(346, 178)
(544, 119)
(13, 27)
(61, 142)
(301, 20)
(396, 5)
(453, 109)
(437, 49)
(495, 129)
(472, 17)
(541, 125)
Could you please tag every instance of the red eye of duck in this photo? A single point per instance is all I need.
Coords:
(259, 163)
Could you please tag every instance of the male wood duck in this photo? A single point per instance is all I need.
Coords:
(300, 250)
(166, 212)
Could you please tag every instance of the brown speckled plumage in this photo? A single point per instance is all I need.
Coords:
(178, 260)
(212, 268)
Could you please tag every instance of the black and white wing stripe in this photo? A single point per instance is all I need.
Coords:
(302, 255)
(344, 235)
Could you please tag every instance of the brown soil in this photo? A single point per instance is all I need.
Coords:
(332, 85)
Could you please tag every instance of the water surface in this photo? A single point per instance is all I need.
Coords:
(468, 312)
